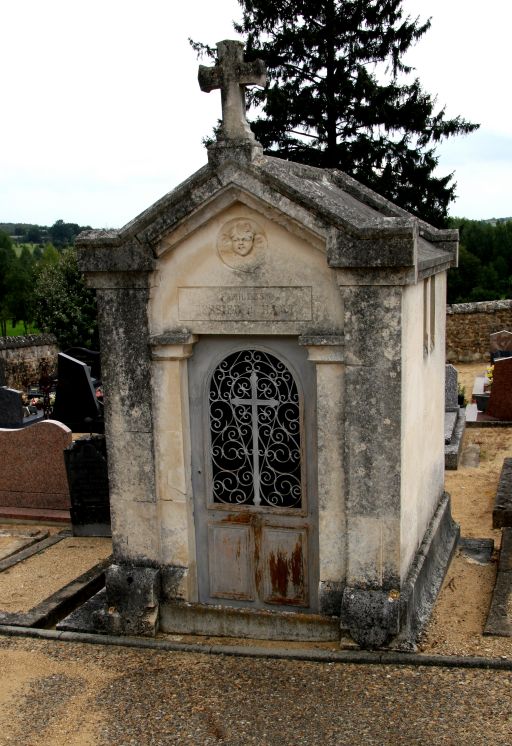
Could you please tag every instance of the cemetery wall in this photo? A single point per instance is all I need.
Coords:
(20, 358)
(468, 326)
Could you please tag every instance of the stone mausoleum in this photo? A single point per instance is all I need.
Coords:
(273, 350)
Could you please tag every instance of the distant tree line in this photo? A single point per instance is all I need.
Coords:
(60, 234)
(41, 285)
(40, 282)
(485, 261)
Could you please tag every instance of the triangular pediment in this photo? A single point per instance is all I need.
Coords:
(296, 223)
(358, 228)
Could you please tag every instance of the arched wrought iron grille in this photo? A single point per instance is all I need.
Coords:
(255, 429)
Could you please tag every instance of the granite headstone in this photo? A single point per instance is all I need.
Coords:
(500, 400)
(87, 470)
(33, 474)
(11, 408)
(76, 404)
(91, 358)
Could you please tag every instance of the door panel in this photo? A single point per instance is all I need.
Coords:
(285, 566)
(254, 472)
(231, 561)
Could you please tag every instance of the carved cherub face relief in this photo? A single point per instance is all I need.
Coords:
(241, 244)
(242, 238)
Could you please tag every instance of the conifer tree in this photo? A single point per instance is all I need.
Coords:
(340, 96)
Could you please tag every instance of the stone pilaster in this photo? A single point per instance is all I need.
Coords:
(326, 351)
(126, 369)
(372, 461)
(170, 353)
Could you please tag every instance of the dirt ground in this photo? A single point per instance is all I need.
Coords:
(467, 374)
(26, 584)
(461, 610)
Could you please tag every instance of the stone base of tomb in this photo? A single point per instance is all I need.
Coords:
(131, 602)
(97, 615)
(143, 600)
(378, 617)
(224, 621)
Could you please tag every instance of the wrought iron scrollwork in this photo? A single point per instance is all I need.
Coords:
(255, 430)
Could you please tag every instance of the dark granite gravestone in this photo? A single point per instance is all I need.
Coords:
(500, 400)
(13, 415)
(89, 357)
(87, 470)
(11, 408)
(500, 345)
(76, 404)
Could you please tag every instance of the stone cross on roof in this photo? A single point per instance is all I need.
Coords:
(231, 75)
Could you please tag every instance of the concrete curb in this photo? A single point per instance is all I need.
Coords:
(33, 549)
(316, 656)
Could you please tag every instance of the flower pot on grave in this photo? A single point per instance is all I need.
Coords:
(482, 401)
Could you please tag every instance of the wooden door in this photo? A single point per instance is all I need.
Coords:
(254, 473)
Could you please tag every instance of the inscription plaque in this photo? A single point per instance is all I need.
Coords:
(245, 304)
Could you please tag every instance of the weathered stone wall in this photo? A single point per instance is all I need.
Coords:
(468, 326)
(21, 357)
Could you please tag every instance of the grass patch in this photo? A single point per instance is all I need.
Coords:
(19, 330)
(18, 248)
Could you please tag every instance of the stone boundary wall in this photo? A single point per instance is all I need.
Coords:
(468, 326)
(20, 358)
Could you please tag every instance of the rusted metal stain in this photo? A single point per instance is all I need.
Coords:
(258, 575)
(237, 518)
(286, 570)
(297, 566)
(278, 573)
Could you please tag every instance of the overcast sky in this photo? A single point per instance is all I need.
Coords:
(102, 114)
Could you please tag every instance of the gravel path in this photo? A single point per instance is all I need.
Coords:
(81, 695)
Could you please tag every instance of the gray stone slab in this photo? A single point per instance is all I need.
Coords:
(450, 420)
(471, 456)
(502, 512)
(186, 618)
(29, 551)
(471, 413)
(451, 389)
(82, 619)
(54, 607)
(499, 620)
(453, 450)
(477, 550)
(425, 578)
(478, 386)
(13, 542)
(505, 562)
